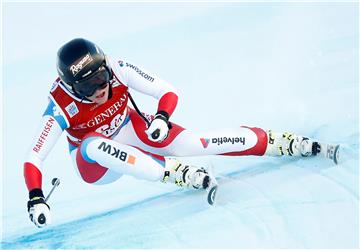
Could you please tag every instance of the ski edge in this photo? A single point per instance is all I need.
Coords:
(212, 194)
(336, 154)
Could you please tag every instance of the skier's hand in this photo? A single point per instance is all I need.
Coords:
(158, 129)
(39, 211)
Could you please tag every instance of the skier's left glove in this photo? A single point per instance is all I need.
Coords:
(39, 210)
(159, 127)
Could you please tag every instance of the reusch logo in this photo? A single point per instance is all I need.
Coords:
(205, 142)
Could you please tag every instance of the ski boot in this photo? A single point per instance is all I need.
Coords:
(185, 175)
(191, 177)
(294, 145)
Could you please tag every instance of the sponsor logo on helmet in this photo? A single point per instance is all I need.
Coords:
(80, 64)
(72, 109)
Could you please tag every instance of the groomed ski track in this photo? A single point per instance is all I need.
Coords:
(265, 203)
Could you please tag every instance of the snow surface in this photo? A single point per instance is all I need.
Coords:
(284, 66)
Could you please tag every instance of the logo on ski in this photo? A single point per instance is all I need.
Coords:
(117, 153)
(205, 142)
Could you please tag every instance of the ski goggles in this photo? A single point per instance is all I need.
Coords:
(98, 80)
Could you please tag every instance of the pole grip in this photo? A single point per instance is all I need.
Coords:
(155, 134)
(42, 219)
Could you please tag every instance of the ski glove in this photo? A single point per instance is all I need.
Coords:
(159, 127)
(39, 211)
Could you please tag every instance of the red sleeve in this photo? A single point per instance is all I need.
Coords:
(168, 103)
(33, 176)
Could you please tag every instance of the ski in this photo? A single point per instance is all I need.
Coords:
(211, 195)
(212, 187)
(329, 151)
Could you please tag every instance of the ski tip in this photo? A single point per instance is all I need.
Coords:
(336, 154)
(212, 195)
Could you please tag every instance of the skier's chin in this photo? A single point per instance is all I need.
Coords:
(100, 101)
(100, 97)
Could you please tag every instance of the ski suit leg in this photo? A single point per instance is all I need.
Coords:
(231, 142)
(181, 142)
(100, 160)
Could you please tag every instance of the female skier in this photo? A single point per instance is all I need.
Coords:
(107, 138)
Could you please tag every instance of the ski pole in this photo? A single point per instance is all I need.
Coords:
(156, 133)
(55, 182)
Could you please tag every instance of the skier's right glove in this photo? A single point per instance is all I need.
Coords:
(39, 211)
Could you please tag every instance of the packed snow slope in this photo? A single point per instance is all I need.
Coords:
(280, 66)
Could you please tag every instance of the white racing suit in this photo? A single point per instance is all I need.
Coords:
(109, 140)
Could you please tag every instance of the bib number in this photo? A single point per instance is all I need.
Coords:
(109, 129)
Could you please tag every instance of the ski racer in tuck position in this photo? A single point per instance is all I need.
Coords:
(107, 138)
